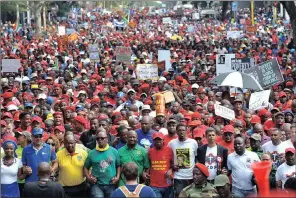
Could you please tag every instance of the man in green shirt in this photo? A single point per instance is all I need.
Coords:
(105, 163)
(255, 140)
(132, 152)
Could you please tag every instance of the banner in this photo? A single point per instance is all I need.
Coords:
(93, 52)
(70, 31)
(166, 20)
(123, 54)
(195, 16)
(224, 112)
(234, 34)
(251, 28)
(147, 71)
(10, 65)
(259, 99)
(242, 64)
(73, 37)
(267, 73)
(223, 63)
(165, 55)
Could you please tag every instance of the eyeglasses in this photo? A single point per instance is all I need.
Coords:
(51, 144)
(101, 138)
(38, 136)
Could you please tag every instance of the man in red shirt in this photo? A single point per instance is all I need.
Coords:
(171, 126)
(227, 138)
(161, 158)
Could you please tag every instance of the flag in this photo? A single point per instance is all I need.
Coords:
(17, 26)
(126, 17)
(73, 36)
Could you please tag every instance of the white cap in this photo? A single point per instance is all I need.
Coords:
(4, 80)
(26, 78)
(131, 90)
(162, 79)
(82, 92)
(196, 86)
(42, 96)
(18, 79)
(146, 107)
(34, 75)
(11, 107)
(83, 71)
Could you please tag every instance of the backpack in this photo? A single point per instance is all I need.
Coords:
(127, 193)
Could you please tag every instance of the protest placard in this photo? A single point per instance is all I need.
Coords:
(123, 54)
(224, 112)
(234, 34)
(166, 20)
(61, 30)
(259, 99)
(93, 47)
(241, 65)
(267, 73)
(165, 55)
(168, 96)
(195, 16)
(147, 71)
(223, 63)
(93, 56)
(11, 65)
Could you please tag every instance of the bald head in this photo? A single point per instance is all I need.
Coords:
(43, 170)
(286, 127)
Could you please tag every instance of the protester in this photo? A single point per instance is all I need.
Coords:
(11, 170)
(132, 188)
(70, 162)
(200, 187)
(241, 173)
(161, 173)
(43, 187)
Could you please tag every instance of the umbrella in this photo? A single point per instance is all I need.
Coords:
(237, 79)
(176, 37)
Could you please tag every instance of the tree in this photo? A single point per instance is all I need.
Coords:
(224, 9)
(291, 9)
(8, 10)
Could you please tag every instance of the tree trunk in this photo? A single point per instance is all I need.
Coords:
(224, 10)
(291, 7)
(37, 8)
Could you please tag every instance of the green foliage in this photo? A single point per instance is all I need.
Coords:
(9, 7)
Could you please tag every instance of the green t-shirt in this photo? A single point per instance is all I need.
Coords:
(19, 152)
(103, 164)
(138, 155)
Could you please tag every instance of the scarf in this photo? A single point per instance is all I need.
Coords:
(102, 149)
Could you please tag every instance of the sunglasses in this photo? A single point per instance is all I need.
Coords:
(101, 138)
(51, 144)
(38, 136)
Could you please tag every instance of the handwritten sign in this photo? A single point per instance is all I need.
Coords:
(123, 54)
(267, 73)
(259, 99)
(147, 71)
(166, 20)
(165, 55)
(224, 112)
(10, 65)
(234, 34)
(242, 64)
(61, 30)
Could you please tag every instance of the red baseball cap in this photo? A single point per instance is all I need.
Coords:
(292, 150)
(282, 94)
(228, 128)
(157, 135)
(60, 128)
(255, 119)
(198, 132)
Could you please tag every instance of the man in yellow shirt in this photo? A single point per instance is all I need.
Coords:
(70, 162)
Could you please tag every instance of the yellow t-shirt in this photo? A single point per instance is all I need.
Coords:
(71, 166)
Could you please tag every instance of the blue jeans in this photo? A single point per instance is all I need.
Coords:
(244, 193)
(99, 190)
(166, 192)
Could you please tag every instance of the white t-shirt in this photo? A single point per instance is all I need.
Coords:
(275, 152)
(289, 143)
(184, 157)
(211, 161)
(241, 169)
(9, 173)
(284, 172)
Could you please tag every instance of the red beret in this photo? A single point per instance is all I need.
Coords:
(194, 123)
(148, 102)
(60, 128)
(288, 84)
(198, 132)
(36, 118)
(103, 117)
(95, 101)
(7, 95)
(255, 119)
(145, 86)
(81, 120)
(3, 123)
(203, 169)
(92, 81)
(58, 113)
(282, 94)
(7, 114)
(179, 78)
(228, 128)
(71, 108)
(196, 115)
(262, 112)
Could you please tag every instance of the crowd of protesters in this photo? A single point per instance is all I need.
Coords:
(96, 125)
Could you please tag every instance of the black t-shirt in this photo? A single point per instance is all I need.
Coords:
(47, 190)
